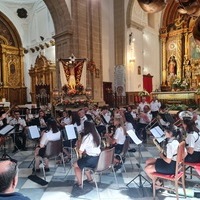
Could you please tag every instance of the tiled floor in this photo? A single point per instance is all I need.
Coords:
(61, 182)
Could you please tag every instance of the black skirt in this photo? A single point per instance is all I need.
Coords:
(165, 168)
(193, 158)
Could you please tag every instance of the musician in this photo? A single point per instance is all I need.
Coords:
(66, 119)
(144, 119)
(105, 115)
(90, 147)
(19, 131)
(28, 116)
(155, 106)
(41, 121)
(165, 164)
(52, 135)
(95, 111)
(83, 118)
(119, 136)
(192, 141)
(129, 125)
(142, 104)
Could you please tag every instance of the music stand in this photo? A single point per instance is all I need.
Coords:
(70, 134)
(138, 142)
(3, 132)
(33, 134)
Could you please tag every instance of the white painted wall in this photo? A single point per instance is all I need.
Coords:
(145, 50)
(38, 23)
(107, 40)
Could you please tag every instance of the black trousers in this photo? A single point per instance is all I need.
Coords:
(16, 139)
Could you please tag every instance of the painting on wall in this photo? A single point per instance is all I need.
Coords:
(194, 49)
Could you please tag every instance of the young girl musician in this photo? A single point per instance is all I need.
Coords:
(166, 164)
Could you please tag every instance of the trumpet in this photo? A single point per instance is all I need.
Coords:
(160, 149)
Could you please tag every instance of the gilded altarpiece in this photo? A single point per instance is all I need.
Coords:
(180, 56)
(42, 73)
(12, 74)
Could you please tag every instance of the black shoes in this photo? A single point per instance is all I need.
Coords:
(117, 167)
(133, 150)
(46, 169)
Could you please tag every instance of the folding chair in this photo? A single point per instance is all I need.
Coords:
(105, 162)
(125, 153)
(53, 150)
(179, 174)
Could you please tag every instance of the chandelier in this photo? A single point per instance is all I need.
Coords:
(189, 7)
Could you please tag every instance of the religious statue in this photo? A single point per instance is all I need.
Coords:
(172, 70)
(73, 70)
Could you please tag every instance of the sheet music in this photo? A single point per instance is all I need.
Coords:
(158, 133)
(70, 132)
(6, 129)
(134, 137)
(34, 132)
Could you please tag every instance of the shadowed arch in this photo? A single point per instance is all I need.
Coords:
(11, 33)
(60, 15)
(129, 13)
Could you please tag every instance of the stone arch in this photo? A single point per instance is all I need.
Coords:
(8, 32)
(129, 13)
(60, 15)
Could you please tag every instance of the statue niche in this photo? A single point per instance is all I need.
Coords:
(172, 70)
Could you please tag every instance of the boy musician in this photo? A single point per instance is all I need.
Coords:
(19, 131)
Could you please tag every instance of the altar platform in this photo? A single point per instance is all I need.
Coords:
(178, 97)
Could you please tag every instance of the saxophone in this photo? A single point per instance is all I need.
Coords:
(160, 149)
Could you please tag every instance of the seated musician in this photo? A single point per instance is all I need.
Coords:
(166, 164)
(192, 141)
(28, 116)
(161, 117)
(129, 125)
(118, 139)
(41, 121)
(83, 118)
(144, 119)
(89, 152)
(105, 115)
(66, 119)
(52, 135)
(19, 131)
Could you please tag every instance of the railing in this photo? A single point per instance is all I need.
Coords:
(114, 100)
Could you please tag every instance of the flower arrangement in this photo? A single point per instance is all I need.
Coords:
(176, 83)
(143, 93)
(75, 103)
(78, 90)
(180, 84)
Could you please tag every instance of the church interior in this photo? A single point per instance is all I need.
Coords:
(71, 54)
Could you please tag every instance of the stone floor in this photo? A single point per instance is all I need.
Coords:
(61, 182)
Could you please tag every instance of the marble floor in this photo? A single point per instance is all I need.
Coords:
(61, 181)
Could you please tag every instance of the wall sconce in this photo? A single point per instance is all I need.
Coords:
(132, 60)
(131, 38)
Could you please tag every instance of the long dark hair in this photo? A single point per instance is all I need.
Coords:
(51, 124)
(89, 127)
(191, 126)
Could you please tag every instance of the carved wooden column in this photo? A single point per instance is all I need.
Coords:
(164, 65)
(179, 56)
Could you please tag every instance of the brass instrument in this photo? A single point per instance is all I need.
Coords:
(186, 114)
(151, 124)
(160, 149)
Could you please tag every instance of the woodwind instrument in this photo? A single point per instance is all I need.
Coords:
(160, 149)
